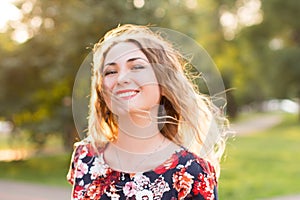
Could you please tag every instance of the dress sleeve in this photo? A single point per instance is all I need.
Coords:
(73, 164)
(205, 182)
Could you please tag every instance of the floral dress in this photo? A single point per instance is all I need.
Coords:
(183, 176)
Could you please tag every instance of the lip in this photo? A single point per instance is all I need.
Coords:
(126, 94)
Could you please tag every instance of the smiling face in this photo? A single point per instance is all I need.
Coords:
(129, 82)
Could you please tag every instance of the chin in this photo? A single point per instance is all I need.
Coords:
(132, 111)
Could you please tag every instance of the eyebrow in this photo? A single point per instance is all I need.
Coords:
(129, 60)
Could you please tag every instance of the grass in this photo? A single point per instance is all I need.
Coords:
(264, 164)
(50, 170)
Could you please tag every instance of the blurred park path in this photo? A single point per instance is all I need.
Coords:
(12, 190)
(256, 124)
(290, 197)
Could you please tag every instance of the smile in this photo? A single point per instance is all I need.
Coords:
(127, 94)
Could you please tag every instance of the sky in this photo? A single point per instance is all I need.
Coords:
(8, 12)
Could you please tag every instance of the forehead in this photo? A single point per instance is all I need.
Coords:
(123, 51)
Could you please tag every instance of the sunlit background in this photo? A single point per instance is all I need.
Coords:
(248, 13)
(255, 45)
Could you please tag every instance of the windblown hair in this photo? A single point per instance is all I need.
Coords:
(186, 117)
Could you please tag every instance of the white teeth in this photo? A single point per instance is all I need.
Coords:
(127, 94)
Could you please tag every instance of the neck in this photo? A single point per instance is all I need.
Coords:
(138, 133)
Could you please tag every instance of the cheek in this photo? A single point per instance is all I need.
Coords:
(108, 85)
(148, 78)
(153, 94)
(107, 91)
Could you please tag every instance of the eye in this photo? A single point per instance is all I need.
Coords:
(136, 67)
(109, 72)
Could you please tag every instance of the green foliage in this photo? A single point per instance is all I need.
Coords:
(275, 45)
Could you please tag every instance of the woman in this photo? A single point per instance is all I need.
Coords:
(147, 125)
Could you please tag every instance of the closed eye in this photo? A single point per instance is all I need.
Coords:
(109, 72)
(136, 67)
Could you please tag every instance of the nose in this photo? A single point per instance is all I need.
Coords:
(124, 77)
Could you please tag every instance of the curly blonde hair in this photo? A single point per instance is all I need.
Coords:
(189, 118)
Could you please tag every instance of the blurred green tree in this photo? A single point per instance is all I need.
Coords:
(275, 44)
(37, 76)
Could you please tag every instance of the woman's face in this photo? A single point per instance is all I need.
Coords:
(129, 82)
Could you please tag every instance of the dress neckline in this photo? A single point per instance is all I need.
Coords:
(170, 159)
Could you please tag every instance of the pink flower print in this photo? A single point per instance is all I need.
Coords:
(159, 187)
(115, 196)
(144, 195)
(99, 168)
(141, 181)
(130, 189)
(82, 169)
(83, 152)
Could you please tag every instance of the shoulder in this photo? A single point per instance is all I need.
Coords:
(186, 162)
(84, 153)
(195, 164)
(196, 175)
(85, 148)
(85, 160)
(192, 162)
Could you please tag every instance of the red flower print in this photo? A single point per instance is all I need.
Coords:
(78, 192)
(205, 187)
(91, 150)
(207, 169)
(83, 152)
(183, 176)
(182, 182)
(184, 153)
(94, 191)
(100, 185)
(167, 165)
